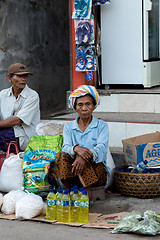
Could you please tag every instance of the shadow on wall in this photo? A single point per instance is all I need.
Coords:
(36, 33)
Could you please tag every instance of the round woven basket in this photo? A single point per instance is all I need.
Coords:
(141, 185)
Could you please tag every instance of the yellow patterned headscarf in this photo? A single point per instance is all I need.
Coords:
(82, 91)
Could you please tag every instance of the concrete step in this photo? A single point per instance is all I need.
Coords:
(133, 101)
(118, 156)
(129, 117)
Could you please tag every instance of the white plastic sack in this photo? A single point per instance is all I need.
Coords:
(49, 128)
(9, 201)
(29, 206)
(11, 175)
(111, 167)
(1, 199)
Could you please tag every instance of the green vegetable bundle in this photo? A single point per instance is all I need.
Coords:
(147, 223)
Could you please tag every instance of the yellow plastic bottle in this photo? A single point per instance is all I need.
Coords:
(59, 204)
(66, 206)
(84, 208)
(51, 205)
(75, 207)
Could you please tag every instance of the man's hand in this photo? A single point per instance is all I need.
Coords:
(78, 165)
(83, 152)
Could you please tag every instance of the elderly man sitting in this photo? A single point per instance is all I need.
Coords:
(19, 109)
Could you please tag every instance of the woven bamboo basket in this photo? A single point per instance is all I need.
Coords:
(140, 185)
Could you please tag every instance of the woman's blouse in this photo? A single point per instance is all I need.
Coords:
(95, 138)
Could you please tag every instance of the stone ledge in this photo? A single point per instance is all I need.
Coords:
(110, 116)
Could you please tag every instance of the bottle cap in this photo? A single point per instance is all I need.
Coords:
(59, 190)
(84, 192)
(83, 188)
(66, 191)
(51, 190)
(75, 191)
(75, 187)
(145, 162)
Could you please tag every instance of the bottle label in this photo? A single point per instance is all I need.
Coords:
(66, 203)
(75, 203)
(51, 202)
(58, 203)
(84, 204)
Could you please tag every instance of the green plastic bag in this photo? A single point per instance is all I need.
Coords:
(125, 225)
(40, 152)
(151, 214)
(133, 215)
(146, 227)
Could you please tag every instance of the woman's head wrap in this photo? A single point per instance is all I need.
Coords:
(82, 91)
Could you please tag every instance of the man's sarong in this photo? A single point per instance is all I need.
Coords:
(6, 136)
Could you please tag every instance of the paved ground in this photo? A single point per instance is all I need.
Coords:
(39, 231)
(30, 230)
(117, 203)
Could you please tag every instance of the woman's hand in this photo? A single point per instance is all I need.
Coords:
(83, 152)
(78, 165)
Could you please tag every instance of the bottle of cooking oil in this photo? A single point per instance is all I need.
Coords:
(66, 206)
(75, 206)
(51, 205)
(59, 204)
(84, 208)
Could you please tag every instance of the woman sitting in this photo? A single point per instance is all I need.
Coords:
(84, 152)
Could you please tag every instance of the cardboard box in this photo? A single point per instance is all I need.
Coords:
(143, 147)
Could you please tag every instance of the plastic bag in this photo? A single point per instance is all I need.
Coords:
(100, 2)
(82, 9)
(29, 206)
(49, 128)
(9, 201)
(40, 152)
(110, 169)
(125, 225)
(11, 175)
(147, 227)
(151, 214)
(133, 215)
(84, 31)
(1, 199)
